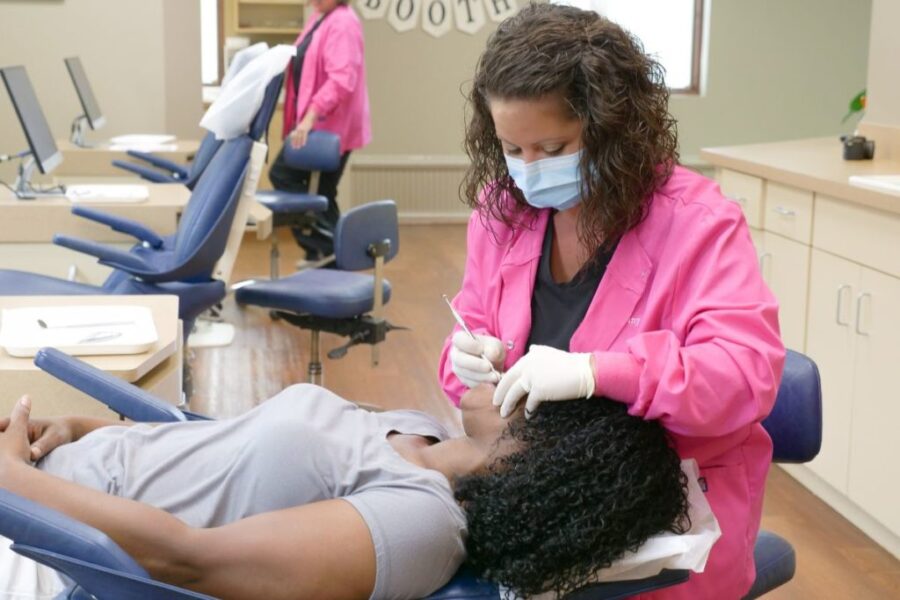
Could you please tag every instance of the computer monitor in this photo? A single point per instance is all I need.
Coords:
(42, 146)
(92, 112)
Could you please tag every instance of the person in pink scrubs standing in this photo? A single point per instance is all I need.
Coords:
(597, 266)
(325, 89)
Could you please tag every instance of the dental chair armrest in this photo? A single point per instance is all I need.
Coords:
(125, 399)
(107, 255)
(177, 171)
(144, 172)
(121, 224)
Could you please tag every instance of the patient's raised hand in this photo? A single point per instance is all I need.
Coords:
(14, 442)
(44, 434)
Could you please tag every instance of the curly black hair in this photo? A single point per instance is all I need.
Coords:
(600, 71)
(587, 483)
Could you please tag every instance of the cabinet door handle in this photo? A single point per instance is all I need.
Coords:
(785, 212)
(859, 300)
(840, 297)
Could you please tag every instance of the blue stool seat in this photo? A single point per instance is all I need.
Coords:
(775, 563)
(326, 293)
(286, 202)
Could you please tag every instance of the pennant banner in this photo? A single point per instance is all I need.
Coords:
(437, 17)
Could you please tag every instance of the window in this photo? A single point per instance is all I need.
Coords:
(671, 31)
(209, 41)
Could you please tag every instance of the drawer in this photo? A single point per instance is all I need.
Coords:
(788, 212)
(747, 191)
(865, 235)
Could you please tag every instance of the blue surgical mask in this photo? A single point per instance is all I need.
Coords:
(549, 182)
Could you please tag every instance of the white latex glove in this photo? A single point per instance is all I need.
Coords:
(476, 361)
(545, 373)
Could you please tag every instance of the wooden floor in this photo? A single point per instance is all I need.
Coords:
(835, 560)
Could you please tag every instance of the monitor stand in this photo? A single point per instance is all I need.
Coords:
(79, 126)
(23, 188)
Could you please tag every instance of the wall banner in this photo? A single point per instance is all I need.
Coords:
(437, 17)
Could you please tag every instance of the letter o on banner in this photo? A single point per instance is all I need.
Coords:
(373, 9)
(469, 15)
(404, 14)
(437, 17)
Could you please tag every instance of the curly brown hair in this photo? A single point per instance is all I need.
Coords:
(588, 483)
(629, 138)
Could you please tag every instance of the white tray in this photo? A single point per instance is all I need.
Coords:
(78, 330)
(889, 184)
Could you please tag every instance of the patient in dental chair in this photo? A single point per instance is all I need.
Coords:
(309, 496)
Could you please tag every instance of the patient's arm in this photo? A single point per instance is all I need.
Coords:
(321, 550)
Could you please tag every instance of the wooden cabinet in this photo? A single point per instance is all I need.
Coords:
(785, 267)
(272, 21)
(874, 469)
(834, 266)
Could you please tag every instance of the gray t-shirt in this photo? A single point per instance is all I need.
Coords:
(304, 445)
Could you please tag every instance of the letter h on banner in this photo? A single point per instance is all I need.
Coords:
(438, 16)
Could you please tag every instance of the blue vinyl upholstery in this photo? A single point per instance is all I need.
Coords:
(795, 426)
(321, 152)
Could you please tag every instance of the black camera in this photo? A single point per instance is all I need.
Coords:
(857, 147)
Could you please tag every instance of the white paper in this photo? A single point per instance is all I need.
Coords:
(77, 330)
(238, 102)
(107, 193)
(142, 139)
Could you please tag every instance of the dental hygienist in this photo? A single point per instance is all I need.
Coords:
(599, 267)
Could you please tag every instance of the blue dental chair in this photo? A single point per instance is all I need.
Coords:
(100, 567)
(321, 153)
(339, 300)
(181, 264)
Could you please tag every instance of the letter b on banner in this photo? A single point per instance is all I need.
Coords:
(437, 17)
(372, 9)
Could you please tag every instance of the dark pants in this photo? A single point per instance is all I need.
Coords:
(317, 240)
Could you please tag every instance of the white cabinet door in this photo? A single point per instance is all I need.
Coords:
(875, 454)
(830, 341)
(785, 267)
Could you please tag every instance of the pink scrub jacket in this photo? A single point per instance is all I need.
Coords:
(333, 80)
(683, 329)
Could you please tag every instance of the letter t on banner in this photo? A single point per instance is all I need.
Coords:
(500, 9)
(372, 9)
(437, 17)
(469, 15)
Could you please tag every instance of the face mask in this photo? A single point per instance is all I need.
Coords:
(550, 182)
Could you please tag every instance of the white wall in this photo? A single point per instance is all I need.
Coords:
(141, 56)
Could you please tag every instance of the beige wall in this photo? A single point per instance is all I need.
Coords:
(141, 56)
(777, 70)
